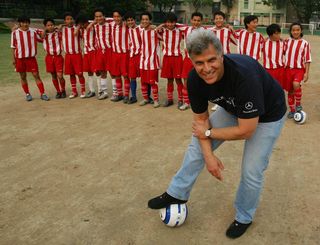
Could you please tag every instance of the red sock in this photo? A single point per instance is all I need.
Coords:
(185, 93)
(62, 84)
(56, 85)
(40, 87)
(170, 88)
(291, 102)
(297, 96)
(73, 82)
(82, 82)
(155, 94)
(144, 90)
(126, 87)
(25, 88)
(180, 88)
(119, 86)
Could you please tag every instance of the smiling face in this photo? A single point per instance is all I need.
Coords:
(196, 21)
(145, 21)
(170, 24)
(68, 20)
(24, 26)
(117, 18)
(219, 21)
(296, 32)
(99, 17)
(252, 26)
(209, 65)
(49, 27)
(131, 23)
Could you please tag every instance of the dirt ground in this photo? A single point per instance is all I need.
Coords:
(81, 172)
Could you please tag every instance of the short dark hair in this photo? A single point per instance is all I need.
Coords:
(119, 11)
(295, 24)
(23, 19)
(67, 14)
(146, 13)
(46, 20)
(171, 17)
(197, 14)
(98, 10)
(248, 19)
(273, 28)
(81, 19)
(219, 13)
(129, 15)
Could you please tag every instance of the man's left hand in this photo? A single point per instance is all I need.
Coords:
(199, 128)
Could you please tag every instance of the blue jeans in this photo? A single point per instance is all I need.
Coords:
(257, 151)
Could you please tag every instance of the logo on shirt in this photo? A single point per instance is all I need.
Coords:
(248, 105)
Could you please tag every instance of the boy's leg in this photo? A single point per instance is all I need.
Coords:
(180, 93)
(39, 82)
(55, 82)
(62, 82)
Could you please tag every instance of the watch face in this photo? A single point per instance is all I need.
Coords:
(207, 133)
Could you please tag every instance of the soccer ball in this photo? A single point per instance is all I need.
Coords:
(174, 214)
(300, 117)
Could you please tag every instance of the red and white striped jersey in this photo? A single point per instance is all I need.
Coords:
(103, 35)
(25, 42)
(135, 40)
(149, 50)
(70, 41)
(186, 33)
(120, 38)
(249, 43)
(225, 36)
(89, 40)
(171, 41)
(52, 43)
(273, 54)
(298, 53)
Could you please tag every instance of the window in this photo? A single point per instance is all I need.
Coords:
(245, 4)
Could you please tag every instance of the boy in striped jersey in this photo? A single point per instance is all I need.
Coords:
(134, 58)
(89, 50)
(172, 61)
(249, 40)
(196, 19)
(297, 63)
(273, 53)
(54, 60)
(73, 55)
(24, 50)
(149, 62)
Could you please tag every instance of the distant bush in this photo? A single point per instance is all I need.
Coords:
(4, 28)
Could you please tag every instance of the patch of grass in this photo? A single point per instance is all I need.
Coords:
(7, 72)
(4, 28)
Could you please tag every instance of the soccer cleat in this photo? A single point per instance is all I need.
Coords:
(150, 101)
(156, 104)
(63, 94)
(72, 96)
(58, 95)
(214, 108)
(117, 98)
(132, 100)
(163, 201)
(103, 96)
(28, 97)
(290, 114)
(298, 108)
(144, 102)
(44, 97)
(180, 103)
(184, 107)
(168, 103)
(83, 95)
(237, 229)
(90, 94)
(125, 99)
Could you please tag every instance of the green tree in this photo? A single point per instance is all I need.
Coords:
(164, 5)
(229, 5)
(197, 4)
(303, 8)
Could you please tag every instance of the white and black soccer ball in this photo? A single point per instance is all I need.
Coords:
(300, 117)
(174, 215)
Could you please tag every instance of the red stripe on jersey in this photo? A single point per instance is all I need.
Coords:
(120, 38)
(89, 40)
(52, 43)
(103, 35)
(249, 43)
(225, 36)
(25, 43)
(297, 53)
(149, 50)
(171, 41)
(71, 42)
(273, 54)
(135, 41)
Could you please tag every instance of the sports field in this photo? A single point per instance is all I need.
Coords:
(81, 171)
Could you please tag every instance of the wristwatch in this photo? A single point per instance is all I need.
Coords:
(207, 133)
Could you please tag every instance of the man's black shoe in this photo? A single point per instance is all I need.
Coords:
(237, 229)
(163, 201)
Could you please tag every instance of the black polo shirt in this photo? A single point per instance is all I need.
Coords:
(246, 90)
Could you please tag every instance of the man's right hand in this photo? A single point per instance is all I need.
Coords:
(215, 166)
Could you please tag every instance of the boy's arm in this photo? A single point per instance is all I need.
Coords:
(306, 73)
(15, 27)
(13, 57)
(13, 48)
(91, 25)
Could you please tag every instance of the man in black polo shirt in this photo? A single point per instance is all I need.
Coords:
(251, 107)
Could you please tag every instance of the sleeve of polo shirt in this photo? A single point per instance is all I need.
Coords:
(198, 102)
(250, 99)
